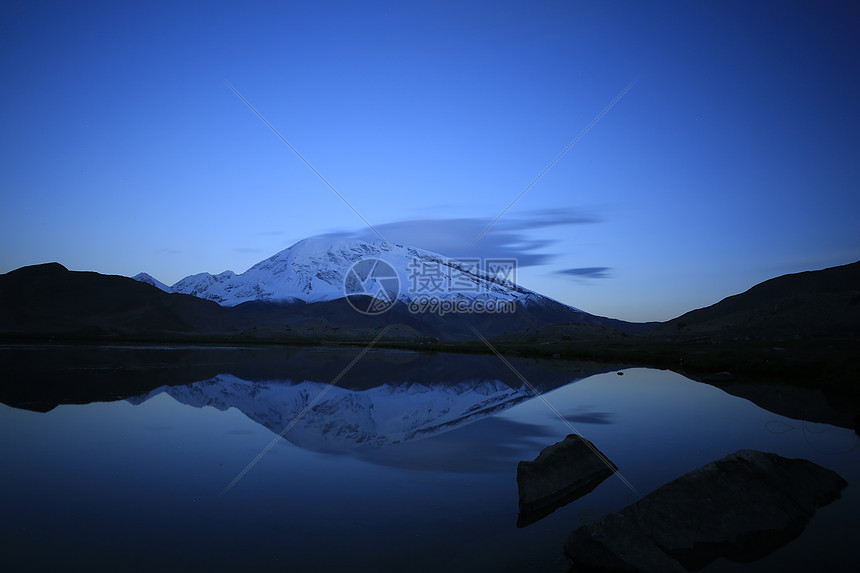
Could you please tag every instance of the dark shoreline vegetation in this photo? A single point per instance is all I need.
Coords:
(816, 363)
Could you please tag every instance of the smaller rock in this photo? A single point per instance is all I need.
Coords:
(562, 473)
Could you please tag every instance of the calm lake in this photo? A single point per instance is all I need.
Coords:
(407, 463)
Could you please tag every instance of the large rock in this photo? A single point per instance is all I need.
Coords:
(741, 507)
(562, 473)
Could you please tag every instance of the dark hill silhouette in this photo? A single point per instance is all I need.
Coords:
(812, 304)
(50, 299)
(336, 319)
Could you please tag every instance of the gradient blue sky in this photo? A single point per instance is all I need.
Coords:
(732, 159)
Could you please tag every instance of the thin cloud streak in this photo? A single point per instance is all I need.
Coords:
(587, 272)
(452, 237)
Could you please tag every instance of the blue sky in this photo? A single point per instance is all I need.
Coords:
(733, 158)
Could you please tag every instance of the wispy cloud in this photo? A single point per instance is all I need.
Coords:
(453, 237)
(587, 272)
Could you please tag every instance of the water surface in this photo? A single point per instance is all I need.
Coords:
(410, 465)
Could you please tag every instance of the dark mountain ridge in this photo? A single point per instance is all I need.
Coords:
(812, 304)
(49, 300)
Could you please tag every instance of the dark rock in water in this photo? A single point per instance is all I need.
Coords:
(615, 543)
(741, 507)
(562, 473)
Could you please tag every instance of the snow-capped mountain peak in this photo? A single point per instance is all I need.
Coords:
(316, 269)
(145, 278)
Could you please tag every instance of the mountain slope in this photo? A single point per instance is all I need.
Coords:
(304, 286)
(315, 270)
(145, 278)
(49, 298)
(335, 319)
(819, 304)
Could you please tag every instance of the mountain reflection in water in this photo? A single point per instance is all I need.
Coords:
(408, 464)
